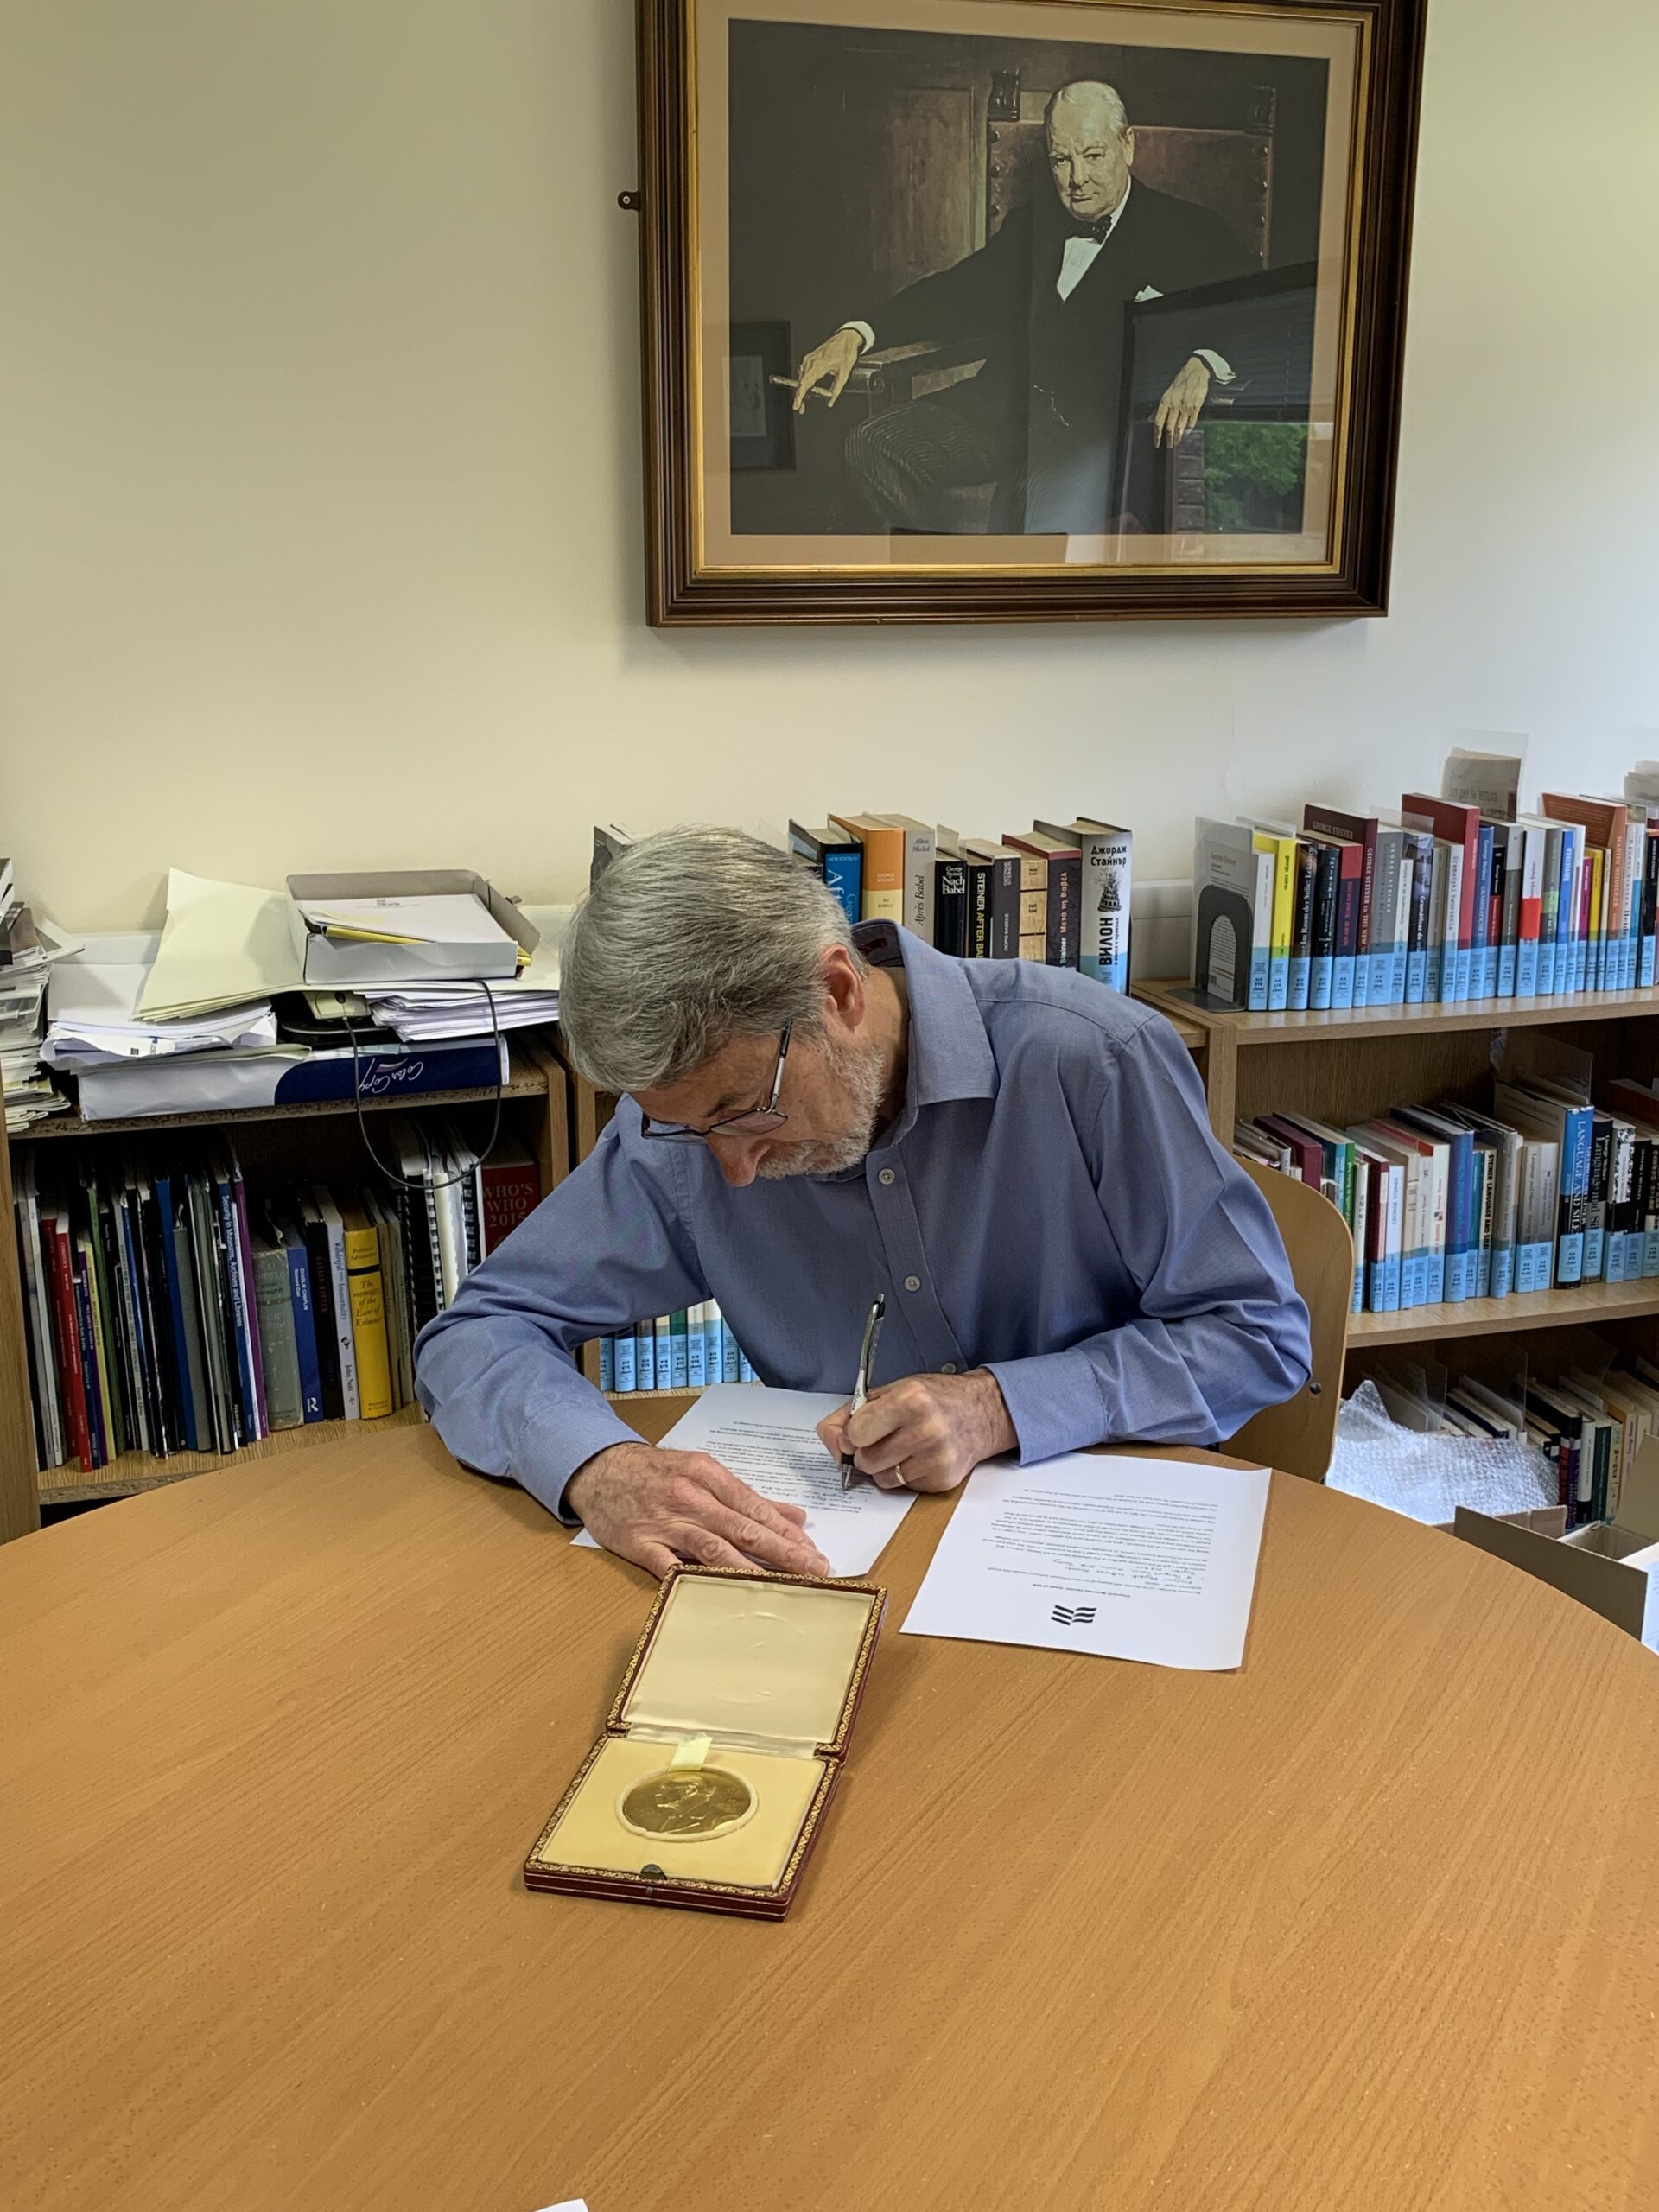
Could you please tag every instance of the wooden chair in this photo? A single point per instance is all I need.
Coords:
(1299, 1435)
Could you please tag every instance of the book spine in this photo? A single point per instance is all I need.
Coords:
(664, 1327)
(883, 897)
(844, 873)
(950, 908)
(744, 1372)
(339, 1284)
(236, 1295)
(1648, 955)
(1342, 973)
(65, 1317)
(1282, 852)
(1062, 946)
(1327, 888)
(679, 1351)
(730, 1360)
(623, 1364)
(607, 1364)
(1483, 947)
(1528, 912)
(696, 1347)
(1600, 1260)
(1417, 926)
(91, 1355)
(305, 1330)
(1305, 862)
(645, 1356)
(512, 1190)
(323, 1318)
(1364, 1176)
(284, 1406)
(1104, 930)
(1385, 902)
(250, 1302)
(367, 1293)
(1005, 909)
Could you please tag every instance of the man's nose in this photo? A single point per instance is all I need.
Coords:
(739, 1162)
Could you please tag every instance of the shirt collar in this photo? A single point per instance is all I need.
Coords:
(1112, 220)
(948, 1055)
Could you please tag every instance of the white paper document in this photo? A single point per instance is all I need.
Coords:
(1151, 1559)
(769, 1440)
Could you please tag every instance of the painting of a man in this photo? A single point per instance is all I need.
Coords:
(1048, 297)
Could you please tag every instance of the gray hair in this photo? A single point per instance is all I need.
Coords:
(689, 940)
(1116, 113)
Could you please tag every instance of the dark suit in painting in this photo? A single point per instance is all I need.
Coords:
(1042, 418)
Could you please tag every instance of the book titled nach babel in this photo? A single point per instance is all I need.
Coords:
(710, 1785)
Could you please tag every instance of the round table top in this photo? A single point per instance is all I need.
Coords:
(1370, 1924)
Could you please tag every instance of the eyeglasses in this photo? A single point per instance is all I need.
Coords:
(754, 1123)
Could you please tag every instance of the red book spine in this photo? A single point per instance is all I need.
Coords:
(68, 1343)
(512, 1190)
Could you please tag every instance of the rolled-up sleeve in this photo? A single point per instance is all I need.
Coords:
(498, 1371)
(1222, 1332)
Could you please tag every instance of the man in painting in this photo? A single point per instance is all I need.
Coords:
(1047, 296)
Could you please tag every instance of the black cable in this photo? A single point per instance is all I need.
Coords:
(424, 1182)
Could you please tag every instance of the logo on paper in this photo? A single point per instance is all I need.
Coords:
(1073, 1616)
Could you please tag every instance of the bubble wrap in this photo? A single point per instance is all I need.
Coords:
(1427, 1477)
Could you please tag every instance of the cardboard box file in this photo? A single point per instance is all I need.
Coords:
(1613, 1566)
(330, 965)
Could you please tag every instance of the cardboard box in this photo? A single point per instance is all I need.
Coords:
(1613, 1566)
(329, 965)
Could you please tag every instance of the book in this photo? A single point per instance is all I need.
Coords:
(333, 1228)
(837, 859)
(1105, 884)
(951, 923)
(510, 1188)
(303, 1320)
(883, 845)
(1360, 830)
(1327, 886)
(325, 1323)
(1063, 858)
(1460, 826)
(1003, 917)
(367, 1301)
(285, 1404)
(919, 851)
(1232, 916)
(1273, 838)
(1301, 927)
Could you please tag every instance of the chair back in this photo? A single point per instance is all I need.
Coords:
(1299, 1436)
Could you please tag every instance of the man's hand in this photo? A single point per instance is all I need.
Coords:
(657, 1508)
(1182, 405)
(832, 363)
(929, 1432)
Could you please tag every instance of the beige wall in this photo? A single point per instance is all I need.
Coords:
(319, 476)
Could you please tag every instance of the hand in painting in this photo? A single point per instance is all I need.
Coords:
(830, 363)
(1182, 405)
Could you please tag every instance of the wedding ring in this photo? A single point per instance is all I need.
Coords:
(898, 1476)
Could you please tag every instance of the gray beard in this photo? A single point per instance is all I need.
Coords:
(860, 1071)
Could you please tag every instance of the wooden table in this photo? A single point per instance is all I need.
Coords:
(1371, 1923)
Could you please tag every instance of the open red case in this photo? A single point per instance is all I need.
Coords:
(710, 1785)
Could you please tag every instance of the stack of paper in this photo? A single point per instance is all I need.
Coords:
(441, 918)
(424, 1013)
(94, 1022)
(25, 952)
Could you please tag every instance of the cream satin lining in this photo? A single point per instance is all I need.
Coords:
(760, 1662)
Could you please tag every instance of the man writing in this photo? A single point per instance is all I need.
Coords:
(1047, 296)
(1021, 1158)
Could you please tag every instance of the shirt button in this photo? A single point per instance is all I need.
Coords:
(949, 1367)
(913, 1282)
(885, 1176)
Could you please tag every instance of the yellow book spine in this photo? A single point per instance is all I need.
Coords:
(369, 1322)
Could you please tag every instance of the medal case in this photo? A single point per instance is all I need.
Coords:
(755, 1676)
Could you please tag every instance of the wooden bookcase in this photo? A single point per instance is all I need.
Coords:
(1342, 1067)
(313, 1142)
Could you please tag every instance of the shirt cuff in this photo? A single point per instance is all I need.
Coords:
(864, 334)
(566, 1436)
(1218, 367)
(1054, 1403)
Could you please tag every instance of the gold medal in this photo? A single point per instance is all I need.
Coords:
(689, 1804)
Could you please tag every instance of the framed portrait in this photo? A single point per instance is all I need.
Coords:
(967, 310)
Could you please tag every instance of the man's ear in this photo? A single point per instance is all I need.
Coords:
(1128, 149)
(843, 985)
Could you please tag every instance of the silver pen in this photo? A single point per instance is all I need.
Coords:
(862, 1388)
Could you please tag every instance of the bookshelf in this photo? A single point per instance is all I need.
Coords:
(317, 1141)
(1342, 1067)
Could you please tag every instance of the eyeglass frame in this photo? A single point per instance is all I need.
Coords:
(683, 1133)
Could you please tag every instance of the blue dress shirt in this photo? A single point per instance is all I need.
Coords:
(1049, 1204)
